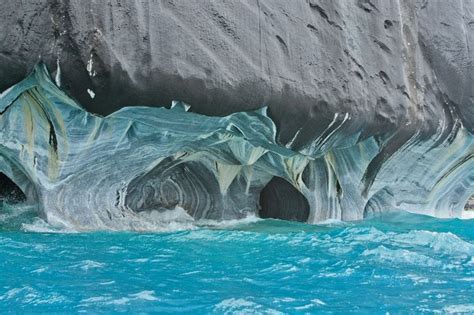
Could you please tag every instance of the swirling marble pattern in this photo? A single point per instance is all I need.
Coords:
(108, 172)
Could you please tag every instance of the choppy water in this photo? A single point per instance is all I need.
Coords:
(396, 263)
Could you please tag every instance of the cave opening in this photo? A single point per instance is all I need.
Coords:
(9, 191)
(18, 206)
(174, 183)
(281, 200)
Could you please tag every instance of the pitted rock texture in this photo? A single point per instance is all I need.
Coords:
(398, 66)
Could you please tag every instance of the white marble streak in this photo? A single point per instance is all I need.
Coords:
(112, 172)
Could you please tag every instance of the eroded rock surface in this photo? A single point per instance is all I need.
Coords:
(120, 171)
(370, 106)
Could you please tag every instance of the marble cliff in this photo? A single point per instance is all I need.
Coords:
(300, 110)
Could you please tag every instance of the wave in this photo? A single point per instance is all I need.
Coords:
(13, 216)
(173, 220)
(24, 217)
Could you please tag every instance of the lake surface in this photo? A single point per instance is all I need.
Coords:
(394, 263)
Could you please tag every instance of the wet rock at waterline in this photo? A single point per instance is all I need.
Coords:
(114, 172)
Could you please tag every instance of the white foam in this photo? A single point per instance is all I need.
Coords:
(332, 222)
(467, 215)
(119, 301)
(10, 212)
(177, 214)
(251, 218)
(446, 243)
(459, 309)
(39, 270)
(173, 220)
(242, 306)
(95, 299)
(41, 226)
(10, 294)
(314, 303)
(401, 256)
(147, 295)
(89, 264)
(107, 282)
(318, 301)
(304, 307)
(232, 303)
(138, 260)
(178, 219)
(29, 295)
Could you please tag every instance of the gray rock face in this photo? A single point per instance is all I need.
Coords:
(370, 108)
(390, 64)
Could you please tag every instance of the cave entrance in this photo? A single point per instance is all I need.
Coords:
(9, 191)
(280, 200)
(189, 185)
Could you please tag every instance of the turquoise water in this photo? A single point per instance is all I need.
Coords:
(395, 263)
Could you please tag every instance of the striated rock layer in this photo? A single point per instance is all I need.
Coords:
(320, 108)
(118, 171)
